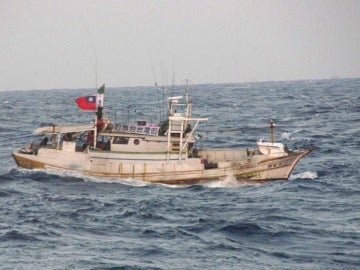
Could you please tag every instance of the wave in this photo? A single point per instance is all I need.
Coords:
(253, 232)
(7, 176)
(226, 224)
(42, 175)
(304, 175)
(243, 229)
(67, 176)
(15, 235)
(229, 182)
(123, 181)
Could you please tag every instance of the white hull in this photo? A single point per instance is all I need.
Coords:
(154, 167)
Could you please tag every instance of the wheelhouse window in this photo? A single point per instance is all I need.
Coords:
(121, 140)
(103, 143)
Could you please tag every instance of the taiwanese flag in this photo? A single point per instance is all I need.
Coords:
(87, 103)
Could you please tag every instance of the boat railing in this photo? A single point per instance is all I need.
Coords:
(216, 155)
(132, 116)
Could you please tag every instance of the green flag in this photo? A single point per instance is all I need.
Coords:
(101, 90)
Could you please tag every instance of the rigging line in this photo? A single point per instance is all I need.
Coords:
(96, 70)
(157, 88)
(168, 89)
(92, 41)
(173, 75)
(164, 88)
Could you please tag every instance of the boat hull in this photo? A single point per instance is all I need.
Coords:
(253, 168)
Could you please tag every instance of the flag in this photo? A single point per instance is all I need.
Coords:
(101, 90)
(100, 100)
(87, 103)
(91, 103)
(100, 97)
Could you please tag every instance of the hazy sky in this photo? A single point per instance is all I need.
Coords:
(54, 44)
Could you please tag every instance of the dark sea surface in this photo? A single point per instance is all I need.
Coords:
(51, 220)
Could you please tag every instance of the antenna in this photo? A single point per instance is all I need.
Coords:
(153, 70)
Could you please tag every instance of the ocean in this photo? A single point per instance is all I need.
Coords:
(53, 220)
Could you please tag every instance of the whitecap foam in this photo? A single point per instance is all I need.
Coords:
(304, 175)
(228, 182)
(286, 136)
(169, 185)
(87, 178)
(109, 180)
(128, 181)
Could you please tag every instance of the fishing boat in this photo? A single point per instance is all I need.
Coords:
(163, 152)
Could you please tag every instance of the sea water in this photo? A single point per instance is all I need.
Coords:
(52, 220)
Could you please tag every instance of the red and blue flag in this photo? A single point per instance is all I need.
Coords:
(87, 103)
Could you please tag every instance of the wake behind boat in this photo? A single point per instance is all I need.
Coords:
(154, 152)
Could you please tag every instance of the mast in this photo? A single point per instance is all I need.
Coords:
(95, 122)
(99, 123)
(95, 129)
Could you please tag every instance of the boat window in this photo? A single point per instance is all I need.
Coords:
(141, 122)
(121, 140)
(103, 143)
(103, 139)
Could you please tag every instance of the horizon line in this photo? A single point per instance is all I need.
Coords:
(200, 83)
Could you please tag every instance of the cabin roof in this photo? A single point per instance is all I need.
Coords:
(63, 129)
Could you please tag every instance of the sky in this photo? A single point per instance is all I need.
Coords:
(47, 44)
